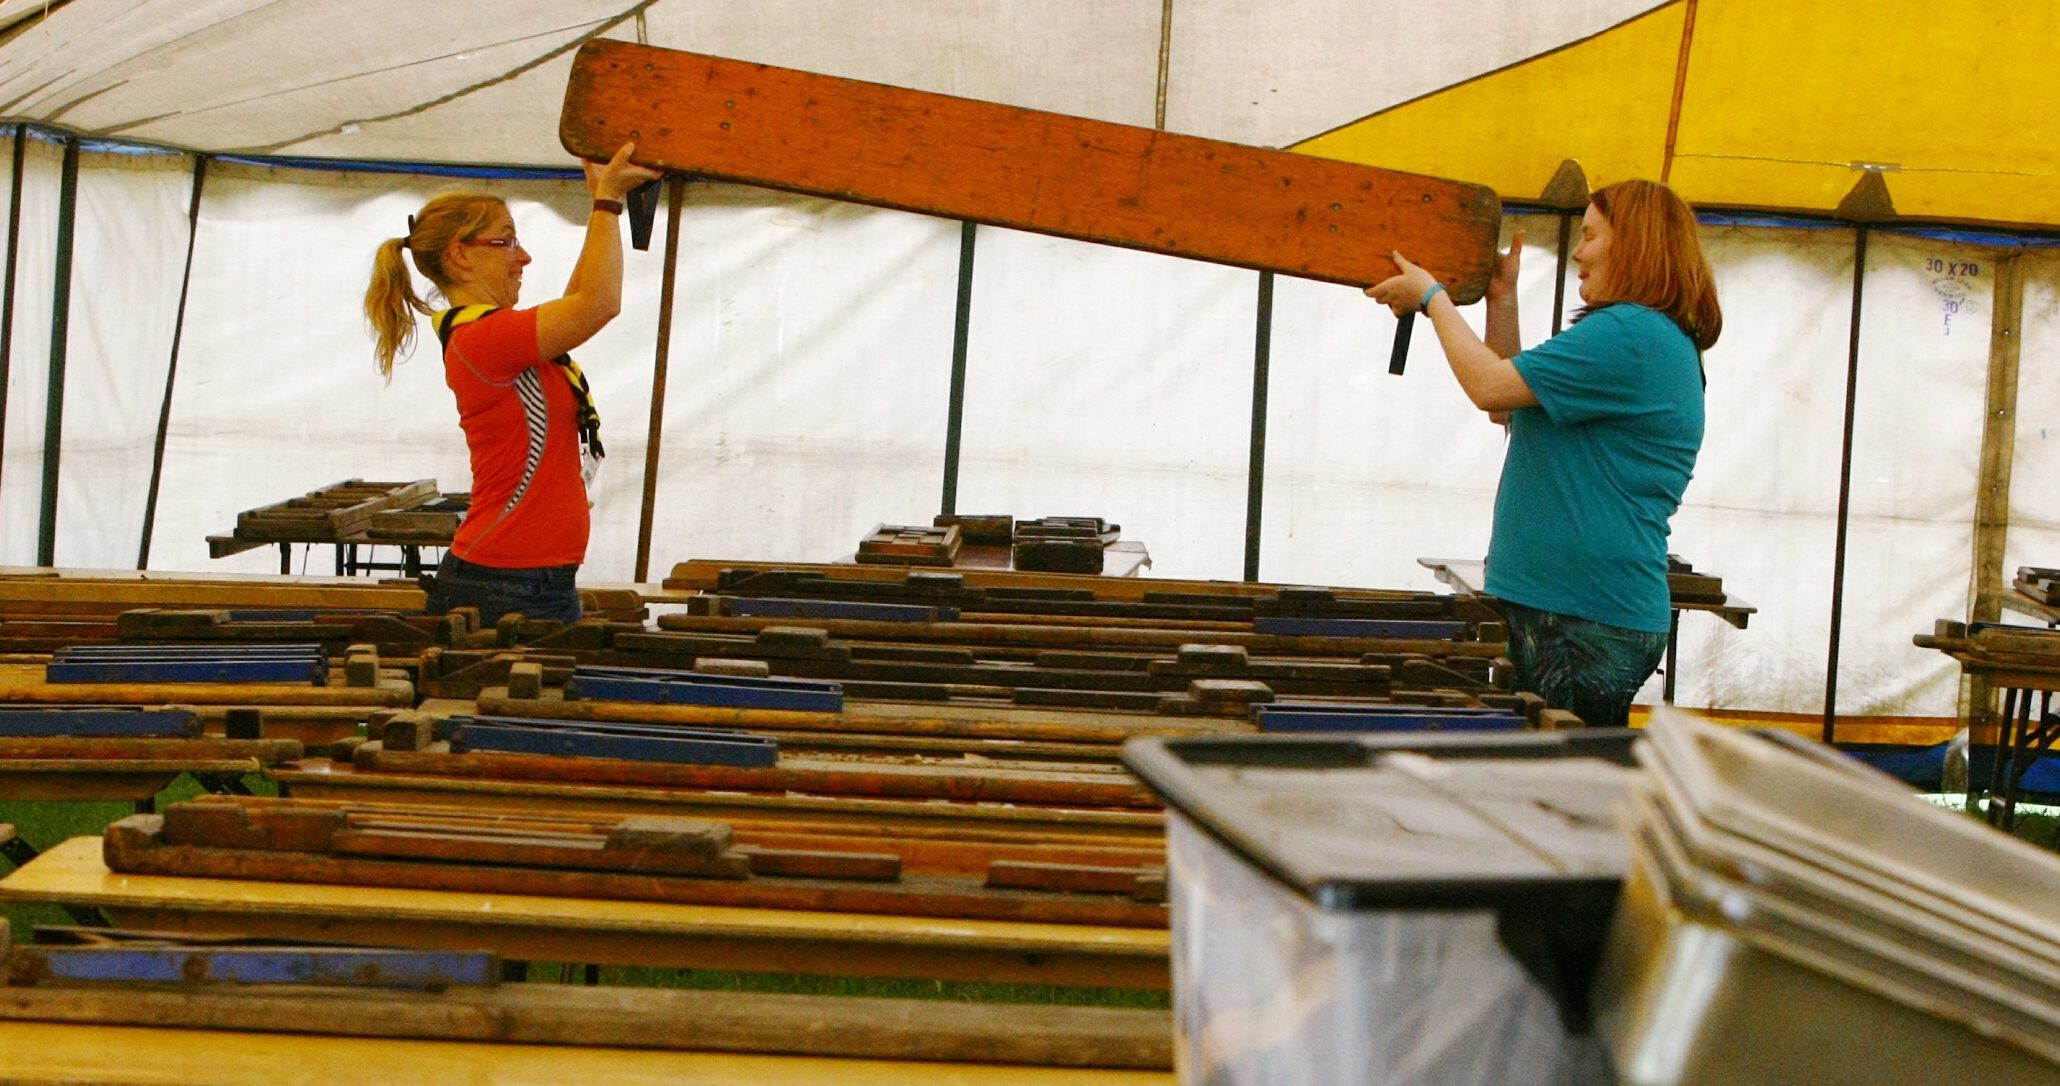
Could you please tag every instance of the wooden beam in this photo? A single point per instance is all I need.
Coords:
(1115, 184)
(642, 1018)
(1992, 488)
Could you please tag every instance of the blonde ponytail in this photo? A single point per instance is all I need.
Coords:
(391, 306)
(391, 303)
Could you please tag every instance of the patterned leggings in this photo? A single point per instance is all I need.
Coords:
(1588, 668)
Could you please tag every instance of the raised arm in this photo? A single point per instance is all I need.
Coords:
(1502, 337)
(593, 294)
(1485, 374)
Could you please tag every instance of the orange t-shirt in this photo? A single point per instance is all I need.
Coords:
(529, 504)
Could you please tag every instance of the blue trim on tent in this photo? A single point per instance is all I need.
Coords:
(100, 145)
(1965, 235)
(2000, 238)
(427, 169)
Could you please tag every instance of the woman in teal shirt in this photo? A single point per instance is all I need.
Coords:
(1605, 420)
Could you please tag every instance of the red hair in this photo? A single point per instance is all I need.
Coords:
(1655, 258)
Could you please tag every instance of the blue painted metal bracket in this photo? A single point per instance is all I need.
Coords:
(289, 663)
(1293, 717)
(1410, 628)
(289, 614)
(663, 687)
(791, 607)
(343, 967)
(127, 723)
(629, 742)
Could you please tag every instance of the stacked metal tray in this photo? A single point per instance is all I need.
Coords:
(1790, 915)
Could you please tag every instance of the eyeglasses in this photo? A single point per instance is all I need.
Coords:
(497, 243)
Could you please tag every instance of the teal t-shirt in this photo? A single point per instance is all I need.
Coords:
(1595, 471)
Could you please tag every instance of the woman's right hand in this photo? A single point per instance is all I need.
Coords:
(1403, 292)
(1502, 285)
(614, 180)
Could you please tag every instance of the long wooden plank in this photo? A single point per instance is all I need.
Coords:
(869, 777)
(704, 575)
(138, 845)
(69, 1053)
(114, 593)
(24, 685)
(939, 849)
(1024, 723)
(318, 779)
(1049, 173)
(192, 749)
(644, 1018)
(1070, 636)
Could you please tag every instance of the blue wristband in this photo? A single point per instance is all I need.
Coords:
(1424, 307)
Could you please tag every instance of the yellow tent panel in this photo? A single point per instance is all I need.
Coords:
(1511, 129)
(1958, 102)
(1762, 104)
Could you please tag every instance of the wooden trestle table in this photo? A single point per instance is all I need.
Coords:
(592, 931)
(50, 1054)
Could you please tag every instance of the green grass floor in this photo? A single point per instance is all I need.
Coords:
(45, 825)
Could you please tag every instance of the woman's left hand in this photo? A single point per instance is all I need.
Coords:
(1404, 292)
(614, 179)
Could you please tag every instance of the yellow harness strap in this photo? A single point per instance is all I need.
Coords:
(448, 321)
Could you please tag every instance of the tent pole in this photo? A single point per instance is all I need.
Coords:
(961, 333)
(1845, 482)
(21, 139)
(164, 411)
(1566, 228)
(675, 197)
(1992, 489)
(1255, 476)
(60, 331)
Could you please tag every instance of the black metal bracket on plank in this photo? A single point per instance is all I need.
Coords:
(1344, 717)
(663, 687)
(223, 784)
(219, 663)
(146, 958)
(1398, 356)
(18, 851)
(127, 722)
(642, 205)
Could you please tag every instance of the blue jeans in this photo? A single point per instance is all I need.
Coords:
(1591, 669)
(546, 593)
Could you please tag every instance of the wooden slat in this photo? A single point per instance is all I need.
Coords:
(109, 593)
(23, 684)
(314, 779)
(704, 575)
(617, 1017)
(871, 777)
(195, 748)
(1115, 184)
(908, 719)
(137, 845)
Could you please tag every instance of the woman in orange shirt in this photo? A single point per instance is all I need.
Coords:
(528, 418)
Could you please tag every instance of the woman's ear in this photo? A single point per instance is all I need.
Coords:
(457, 263)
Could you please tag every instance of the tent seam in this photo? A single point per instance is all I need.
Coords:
(1489, 74)
(1666, 162)
(602, 28)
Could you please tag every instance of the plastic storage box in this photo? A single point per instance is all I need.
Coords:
(1383, 909)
